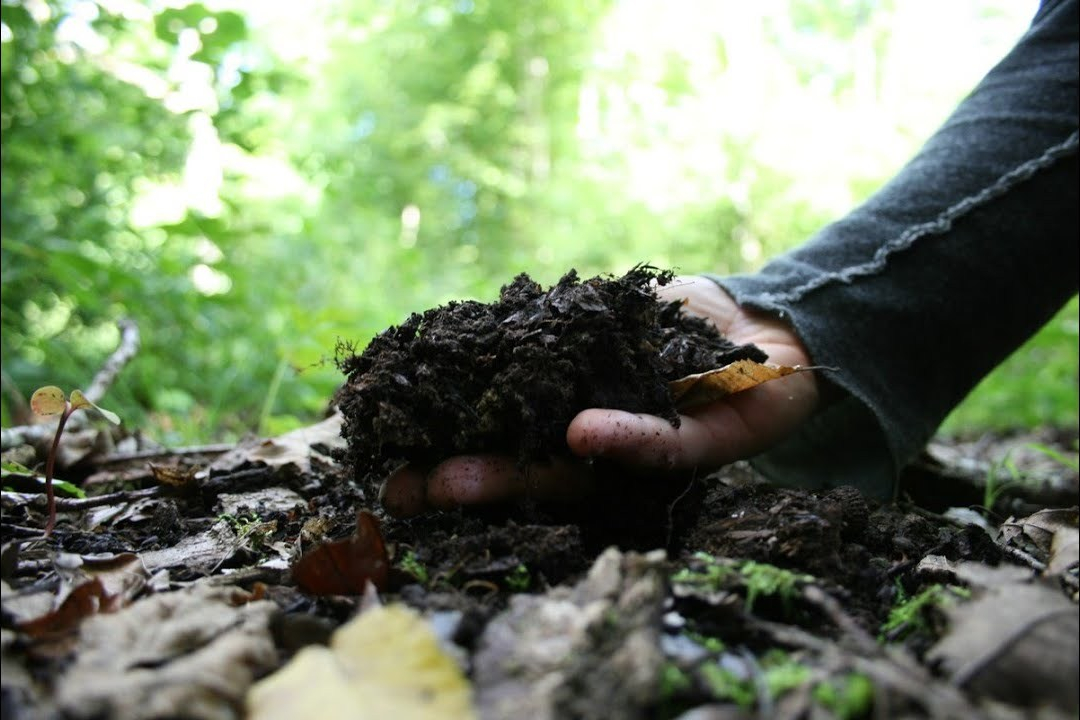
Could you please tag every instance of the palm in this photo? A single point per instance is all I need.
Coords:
(721, 432)
(708, 437)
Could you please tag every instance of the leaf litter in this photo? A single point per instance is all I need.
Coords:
(188, 601)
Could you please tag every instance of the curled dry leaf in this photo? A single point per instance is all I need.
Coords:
(701, 388)
(54, 633)
(344, 567)
(172, 475)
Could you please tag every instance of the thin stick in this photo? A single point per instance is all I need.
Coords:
(129, 345)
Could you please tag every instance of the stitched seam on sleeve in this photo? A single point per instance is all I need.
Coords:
(938, 225)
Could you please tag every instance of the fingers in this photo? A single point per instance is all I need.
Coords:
(481, 480)
(739, 426)
(404, 492)
(651, 442)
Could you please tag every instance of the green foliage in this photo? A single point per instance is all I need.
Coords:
(1003, 475)
(519, 579)
(780, 673)
(1062, 459)
(412, 565)
(767, 580)
(847, 696)
(705, 571)
(13, 469)
(251, 184)
(912, 615)
(726, 685)
(673, 680)
(758, 579)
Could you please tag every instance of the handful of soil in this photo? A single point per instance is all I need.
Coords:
(508, 377)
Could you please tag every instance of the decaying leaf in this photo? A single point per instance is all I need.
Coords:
(344, 567)
(84, 601)
(173, 475)
(386, 663)
(198, 552)
(192, 653)
(706, 387)
(1017, 641)
(1051, 535)
(1064, 551)
(91, 584)
(293, 450)
(601, 637)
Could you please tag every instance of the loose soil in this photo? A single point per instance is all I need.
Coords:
(507, 377)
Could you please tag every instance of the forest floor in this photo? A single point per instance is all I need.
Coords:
(264, 580)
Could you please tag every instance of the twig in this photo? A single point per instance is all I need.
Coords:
(129, 345)
(106, 499)
(216, 449)
(1024, 557)
(892, 670)
(853, 632)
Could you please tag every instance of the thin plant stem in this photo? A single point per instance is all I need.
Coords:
(50, 464)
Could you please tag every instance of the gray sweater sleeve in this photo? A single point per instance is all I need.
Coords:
(918, 293)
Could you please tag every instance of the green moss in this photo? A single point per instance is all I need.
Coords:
(519, 579)
(779, 674)
(410, 564)
(909, 616)
(758, 579)
(673, 681)
(846, 697)
(726, 685)
(767, 580)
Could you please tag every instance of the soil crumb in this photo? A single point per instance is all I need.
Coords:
(508, 377)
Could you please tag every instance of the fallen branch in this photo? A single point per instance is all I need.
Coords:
(107, 499)
(167, 453)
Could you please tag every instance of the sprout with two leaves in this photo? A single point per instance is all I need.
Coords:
(50, 400)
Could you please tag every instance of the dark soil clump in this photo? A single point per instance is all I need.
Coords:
(508, 377)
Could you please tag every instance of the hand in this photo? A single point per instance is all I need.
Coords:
(709, 436)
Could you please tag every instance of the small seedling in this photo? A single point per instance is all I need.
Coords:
(759, 579)
(50, 400)
(909, 615)
(997, 483)
(1063, 459)
(518, 579)
(412, 565)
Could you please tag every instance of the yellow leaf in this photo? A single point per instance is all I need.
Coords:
(384, 664)
(48, 400)
(78, 400)
(740, 375)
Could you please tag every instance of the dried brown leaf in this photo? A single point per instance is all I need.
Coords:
(344, 567)
(173, 475)
(706, 387)
(54, 632)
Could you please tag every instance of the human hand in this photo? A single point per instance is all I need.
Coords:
(738, 426)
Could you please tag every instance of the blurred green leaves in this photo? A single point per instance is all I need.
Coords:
(251, 181)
